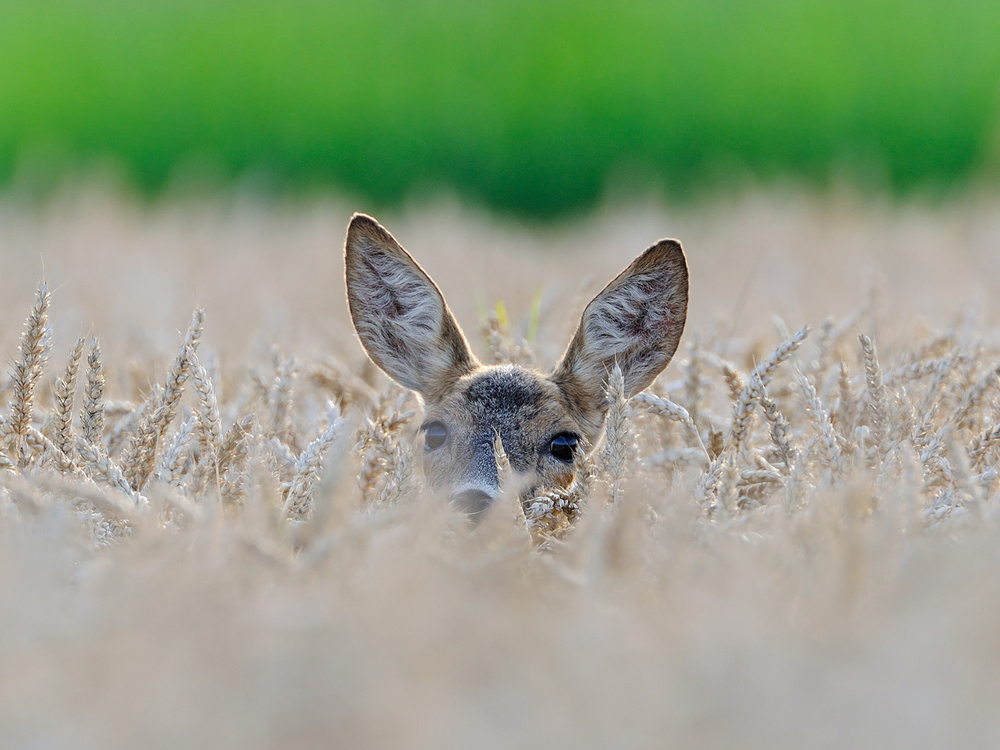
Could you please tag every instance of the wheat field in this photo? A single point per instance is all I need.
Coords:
(214, 533)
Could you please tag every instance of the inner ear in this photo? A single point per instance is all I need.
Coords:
(636, 322)
(399, 313)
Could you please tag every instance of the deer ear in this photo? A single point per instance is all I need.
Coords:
(399, 314)
(636, 321)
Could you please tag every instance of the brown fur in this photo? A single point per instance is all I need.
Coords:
(408, 331)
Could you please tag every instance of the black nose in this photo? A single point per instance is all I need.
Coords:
(473, 502)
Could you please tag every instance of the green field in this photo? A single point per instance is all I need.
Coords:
(536, 107)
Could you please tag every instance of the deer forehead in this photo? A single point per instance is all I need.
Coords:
(521, 405)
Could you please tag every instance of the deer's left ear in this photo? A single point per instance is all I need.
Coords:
(636, 321)
(399, 314)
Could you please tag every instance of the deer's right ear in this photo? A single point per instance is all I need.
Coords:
(636, 323)
(399, 314)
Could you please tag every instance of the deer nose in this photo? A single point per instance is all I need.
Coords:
(472, 501)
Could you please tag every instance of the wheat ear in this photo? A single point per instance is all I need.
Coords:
(781, 431)
(281, 397)
(232, 459)
(766, 369)
(692, 382)
(129, 424)
(140, 456)
(102, 469)
(27, 371)
(615, 434)
(732, 377)
(178, 375)
(665, 408)
(965, 414)
(65, 395)
(208, 404)
(982, 444)
(843, 415)
(92, 423)
(877, 409)
(377, 443)
(234, 443)
(173, 458)
(298, 494)
(743, 411)
(820, 420)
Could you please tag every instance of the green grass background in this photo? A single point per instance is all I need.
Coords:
(532, 107)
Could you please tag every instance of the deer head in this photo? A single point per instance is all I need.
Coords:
(545, 422)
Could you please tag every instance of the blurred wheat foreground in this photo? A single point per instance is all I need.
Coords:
(219, 537)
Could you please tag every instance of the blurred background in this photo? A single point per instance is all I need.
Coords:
(534, 108)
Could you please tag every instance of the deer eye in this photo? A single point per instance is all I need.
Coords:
(563, 446)
(435, 433)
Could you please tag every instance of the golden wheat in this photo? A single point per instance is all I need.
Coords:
(788, 540)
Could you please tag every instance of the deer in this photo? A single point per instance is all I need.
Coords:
(544, 423)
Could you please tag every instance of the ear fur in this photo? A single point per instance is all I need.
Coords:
(399, 314)
(636, 321)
